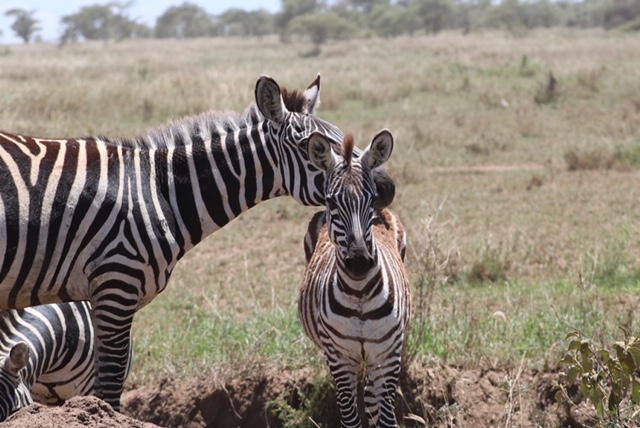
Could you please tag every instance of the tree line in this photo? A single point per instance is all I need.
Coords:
(321, 20)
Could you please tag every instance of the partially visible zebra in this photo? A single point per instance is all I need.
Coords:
(355, 301)
(106, 220)
(47, 355)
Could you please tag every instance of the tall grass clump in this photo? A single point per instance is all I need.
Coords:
(437, 266)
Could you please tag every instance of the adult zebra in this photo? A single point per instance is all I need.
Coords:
(355, 301)
(48, 355)
(106, 220)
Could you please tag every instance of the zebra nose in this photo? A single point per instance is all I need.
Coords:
(358, 263)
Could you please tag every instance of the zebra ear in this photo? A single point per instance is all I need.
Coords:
(19, 356)
(312, 95)
(320, 153)
(379, 151)
(269, 99)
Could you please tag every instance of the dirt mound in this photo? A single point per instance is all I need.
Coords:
(79, 412)
(441, 396)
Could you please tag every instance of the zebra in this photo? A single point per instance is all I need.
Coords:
(48, 355)
(355, 301)
(105, 220)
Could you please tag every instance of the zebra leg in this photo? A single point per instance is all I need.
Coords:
(371, 408)
(113, 316)
(345, 376)
(385, 380)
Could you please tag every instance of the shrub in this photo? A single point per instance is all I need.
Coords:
(607, 377)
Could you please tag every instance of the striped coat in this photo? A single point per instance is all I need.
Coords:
(355, 301)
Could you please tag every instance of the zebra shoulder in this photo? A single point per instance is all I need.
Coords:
(390, 231)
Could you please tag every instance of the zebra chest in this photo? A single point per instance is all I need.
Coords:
(358, 318)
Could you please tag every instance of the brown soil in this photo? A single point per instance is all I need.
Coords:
(444, 396)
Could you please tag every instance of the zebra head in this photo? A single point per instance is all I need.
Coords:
(292, 120)
(14, 394)
(350, 195)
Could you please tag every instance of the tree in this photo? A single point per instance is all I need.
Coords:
(102, 22)
(240, 22)
(367, 6)
(434, 14)
(292, 9)
(393, 20)
(185, 21)
(320, 27)
(25, 26)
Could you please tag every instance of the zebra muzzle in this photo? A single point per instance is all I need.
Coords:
(358, 263)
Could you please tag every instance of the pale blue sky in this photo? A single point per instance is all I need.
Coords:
(49, 12)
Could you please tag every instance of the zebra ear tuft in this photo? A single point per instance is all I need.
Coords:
(269, 99)
(320, 153)
(312, 95)
(19, 356)
(379, 151)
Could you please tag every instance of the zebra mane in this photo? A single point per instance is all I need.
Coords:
(181, 131)
(294, 101)
(347, 148)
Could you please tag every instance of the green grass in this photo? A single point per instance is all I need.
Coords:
(536, 250)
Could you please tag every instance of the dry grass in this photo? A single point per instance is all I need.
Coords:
(468, 132)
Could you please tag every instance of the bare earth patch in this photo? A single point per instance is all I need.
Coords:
(78, 412)
(444, 396)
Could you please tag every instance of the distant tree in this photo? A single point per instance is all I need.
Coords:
(435, 14)
(185, 21)
(621, 12)
(393, 20)
(367, 6)
(102, 22)
(320, 27)
(292, 9)
(240, 22)
(510, 15)
(25, 25)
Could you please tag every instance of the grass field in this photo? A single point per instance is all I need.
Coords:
(521, 201)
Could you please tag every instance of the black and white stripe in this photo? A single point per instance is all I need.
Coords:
(105, 220)
(355, 302)
(47, 355)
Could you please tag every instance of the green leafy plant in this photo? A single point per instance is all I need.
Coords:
(607, 377)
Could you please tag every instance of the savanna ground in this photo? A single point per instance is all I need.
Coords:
(521, 201)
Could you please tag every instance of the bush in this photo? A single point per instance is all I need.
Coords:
(607, 377)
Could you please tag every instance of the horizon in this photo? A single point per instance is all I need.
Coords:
(49, 14)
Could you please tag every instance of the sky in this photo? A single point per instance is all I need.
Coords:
(49, 12)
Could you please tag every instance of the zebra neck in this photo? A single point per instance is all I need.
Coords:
(209, 183)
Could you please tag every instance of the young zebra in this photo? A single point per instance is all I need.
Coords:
(107, 220)
(355, 301)
(48, 355)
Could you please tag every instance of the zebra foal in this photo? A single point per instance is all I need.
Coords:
(355, 300)
(48, 355)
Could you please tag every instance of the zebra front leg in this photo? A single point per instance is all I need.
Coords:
(371, 408)
(384, 377)
(345, 376)
(113, 316)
